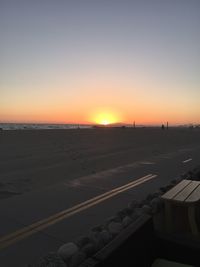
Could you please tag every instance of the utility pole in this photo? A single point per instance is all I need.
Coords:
(167, 125)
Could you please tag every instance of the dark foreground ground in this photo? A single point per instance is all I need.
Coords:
(45, 172)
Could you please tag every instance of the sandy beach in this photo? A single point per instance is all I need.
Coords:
(33, 159)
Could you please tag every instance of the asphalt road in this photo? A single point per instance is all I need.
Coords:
(22, 239)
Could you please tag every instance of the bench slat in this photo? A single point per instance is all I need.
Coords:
(176, 189)
(195, 196)
(186, 192)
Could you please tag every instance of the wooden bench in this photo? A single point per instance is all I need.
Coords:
(187, 194)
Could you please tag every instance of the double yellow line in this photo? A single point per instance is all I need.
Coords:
(16, 236)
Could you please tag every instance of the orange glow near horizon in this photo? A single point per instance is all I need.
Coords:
(86, 113)
(99, 116)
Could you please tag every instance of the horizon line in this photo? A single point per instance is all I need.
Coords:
(111, 124)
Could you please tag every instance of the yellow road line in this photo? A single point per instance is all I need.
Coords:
(12, 238)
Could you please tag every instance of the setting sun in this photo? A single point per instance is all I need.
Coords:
(105, 122)
(105, 118)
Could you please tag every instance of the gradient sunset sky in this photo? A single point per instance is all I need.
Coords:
(80, 61)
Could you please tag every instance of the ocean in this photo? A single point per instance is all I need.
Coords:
(40, 126)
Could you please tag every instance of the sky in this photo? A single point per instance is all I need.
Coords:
(91, 61)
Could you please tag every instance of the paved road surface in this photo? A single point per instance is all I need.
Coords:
(21, 211)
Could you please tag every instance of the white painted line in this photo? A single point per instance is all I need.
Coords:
(147, 162)
(16, 236)
(187, 160)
